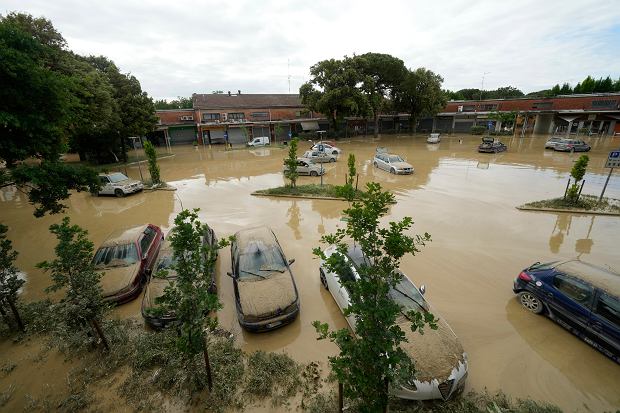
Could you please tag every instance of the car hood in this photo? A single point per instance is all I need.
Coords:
(264, 297)
(116, 279)
(401, 165)
(436, 353)
(155, 289)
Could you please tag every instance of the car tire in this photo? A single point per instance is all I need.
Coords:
(323, 279)
(335, 153)
(119, 193)
(314, 173)
(332, 160)
(531, 302)
(375, 165)
(393, 171)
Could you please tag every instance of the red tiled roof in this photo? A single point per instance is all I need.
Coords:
(225, 101)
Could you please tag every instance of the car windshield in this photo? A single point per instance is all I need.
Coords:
(117, 177)
(120, 255)
(407, 296)
(395, 158)
(260, 260)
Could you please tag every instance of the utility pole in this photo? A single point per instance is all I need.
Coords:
(482, 85)
(288, 71)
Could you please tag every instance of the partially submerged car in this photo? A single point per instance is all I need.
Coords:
(127, 257)
(433, 138)
(391, 162)
(553, 141)
(306, 167)
(118, 184)
(490, 145)
(326, 147)
(320, 157)
(572, 145)
(581, 297)
(440, 361)
(164, 274)
(266, 295)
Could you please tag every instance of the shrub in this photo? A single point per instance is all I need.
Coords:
(477, 130)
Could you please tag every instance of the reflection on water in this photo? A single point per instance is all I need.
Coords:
(464, 199)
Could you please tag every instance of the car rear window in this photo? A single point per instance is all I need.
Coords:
(116, 256)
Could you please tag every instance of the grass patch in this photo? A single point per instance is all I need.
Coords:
(273, 375)
(586, 202)
(315, 190)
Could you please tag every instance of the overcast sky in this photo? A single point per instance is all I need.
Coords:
(176, 48)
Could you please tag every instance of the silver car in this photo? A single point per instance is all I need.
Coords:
(320, 157)
(553, 141)
(118, 184)
(392, 163)
(306, 167)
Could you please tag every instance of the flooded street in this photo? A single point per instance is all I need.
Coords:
(464, 199)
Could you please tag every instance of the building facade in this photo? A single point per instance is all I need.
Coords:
(237, 118)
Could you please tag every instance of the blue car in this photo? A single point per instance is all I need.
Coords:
(581, 297)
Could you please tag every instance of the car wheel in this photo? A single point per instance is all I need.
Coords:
(375, 165)
(314, 173)
(332, 160)
(531, 302)
(335, 153)
(119, 193)
(323, 279)
(392, 171)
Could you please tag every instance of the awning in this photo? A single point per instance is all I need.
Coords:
(313, 125)
(568, 119)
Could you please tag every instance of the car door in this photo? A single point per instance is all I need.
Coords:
(302, 168)
(341, 293)
(570, 300)
(605, 321)
(381, 161)
(106, 186)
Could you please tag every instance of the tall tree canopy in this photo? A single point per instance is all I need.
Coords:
(420, 94)
(52, 98)
(178, 103)
(333, 90)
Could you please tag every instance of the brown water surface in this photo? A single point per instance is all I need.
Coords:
(465, 200)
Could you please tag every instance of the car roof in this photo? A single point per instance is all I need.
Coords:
(600, 277)
(124, 235)
(257, 235)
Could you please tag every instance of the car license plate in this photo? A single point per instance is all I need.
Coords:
(274, 324)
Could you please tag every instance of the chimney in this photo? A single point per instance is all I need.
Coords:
(229, 93)
(239, 91)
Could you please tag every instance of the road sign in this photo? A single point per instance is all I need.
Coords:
(490, 125)
(613, 161)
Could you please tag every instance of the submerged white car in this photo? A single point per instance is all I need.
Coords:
(118, 184)
(327, 148)
(392, 163)
(440, 361)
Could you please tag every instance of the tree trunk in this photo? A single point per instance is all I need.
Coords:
(384, 396)
(376, 124)
(340, 397)
(7, 320)
(101, 335)
(205, 352)
(414, 124)
(123, 150)
(18, 319)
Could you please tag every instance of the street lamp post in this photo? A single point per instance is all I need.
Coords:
(321, 133)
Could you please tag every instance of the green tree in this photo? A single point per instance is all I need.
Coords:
(82, 309)
(178, 103)
(36, 113)
(151, 156)
(507, 118)
(291, 162)
(188, 297)
(10, 283)
(347, 191)
(333, 90)
(578, 172)
(380, 75)
(420, 95)
(372, 358)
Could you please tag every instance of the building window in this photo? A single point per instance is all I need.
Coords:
(601, 104)
(210, 117)
(542, 105)
(260, 115)
(488, 107)
(469, 108)
(236, 116)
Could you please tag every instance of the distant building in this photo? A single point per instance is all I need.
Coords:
(241, 117)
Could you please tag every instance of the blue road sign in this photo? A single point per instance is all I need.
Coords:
(290, 134)
(613, 161)
(226, 135)
(490, 125)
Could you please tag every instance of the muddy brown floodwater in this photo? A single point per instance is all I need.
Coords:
(465, 200)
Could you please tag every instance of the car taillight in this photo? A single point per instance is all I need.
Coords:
(525, 276)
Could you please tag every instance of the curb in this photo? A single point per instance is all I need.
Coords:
(572, 211)
(327, 198)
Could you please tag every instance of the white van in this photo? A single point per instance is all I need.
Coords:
(259, 141)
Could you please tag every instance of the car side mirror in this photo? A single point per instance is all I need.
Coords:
(291, 261)
(230, 274)
(422, 289)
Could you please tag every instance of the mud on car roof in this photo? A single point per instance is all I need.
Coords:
(602, 278)
(124, 235)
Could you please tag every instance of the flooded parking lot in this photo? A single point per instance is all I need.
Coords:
(465, 200)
